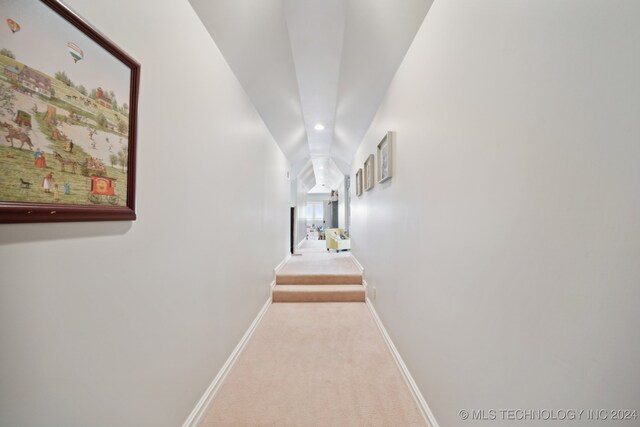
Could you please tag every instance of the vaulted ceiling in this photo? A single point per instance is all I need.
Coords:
(309, 62)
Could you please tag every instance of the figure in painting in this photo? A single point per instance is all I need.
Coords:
(56, 192)
(24, 131)
(46, 182)
(67, 188)
(40, 162)
(69, 147)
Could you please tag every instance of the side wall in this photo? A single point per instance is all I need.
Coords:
(505, 249)
(342, 200)
(126, 324)
(301, 212)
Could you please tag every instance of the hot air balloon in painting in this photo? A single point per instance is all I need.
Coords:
(75, 51)
(13, 25)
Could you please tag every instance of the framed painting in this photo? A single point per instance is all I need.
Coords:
(369, 173)
(384, 158)
(359, 182)
(68, 109)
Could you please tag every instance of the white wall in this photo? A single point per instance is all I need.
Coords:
(505, 248)
(293, 197)
(342, 211)
(126, 324)
(301, 212)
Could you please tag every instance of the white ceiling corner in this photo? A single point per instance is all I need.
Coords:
(306, 176)
(304, 62)
(252, 35)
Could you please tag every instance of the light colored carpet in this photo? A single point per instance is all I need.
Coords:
(311, 246)
(322, 364)
(319, 268)
(319, 276)
(318, 293)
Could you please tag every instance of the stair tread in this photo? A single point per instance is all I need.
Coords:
(318, 284)
(319, 293)
(319, 278)
(321, 273)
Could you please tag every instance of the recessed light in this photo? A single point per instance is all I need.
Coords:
(319, 126)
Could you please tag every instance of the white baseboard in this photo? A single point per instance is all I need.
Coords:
(366, 289)
(282, 263)
(198, 412)
(357, 263)
(272, 285)
(275, 273)
(415, 391)
(300, 243)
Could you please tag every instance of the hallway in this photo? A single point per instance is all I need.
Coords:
(485, 159)
(315, 363)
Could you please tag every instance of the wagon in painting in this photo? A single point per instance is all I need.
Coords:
(23, 119)
(102, 188)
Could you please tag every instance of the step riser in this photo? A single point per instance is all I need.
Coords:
(319, 279)
(293, 296)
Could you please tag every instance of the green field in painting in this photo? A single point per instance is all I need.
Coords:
(16, 164)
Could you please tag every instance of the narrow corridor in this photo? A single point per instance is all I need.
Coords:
(316, 363)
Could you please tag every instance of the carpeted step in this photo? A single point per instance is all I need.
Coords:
(319, 293)
(319, 279)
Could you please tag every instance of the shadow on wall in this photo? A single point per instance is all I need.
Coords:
(27, 233)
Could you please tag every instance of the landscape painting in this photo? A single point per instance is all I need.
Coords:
(67, 117)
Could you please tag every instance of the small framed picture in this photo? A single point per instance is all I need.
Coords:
(369, 173)
(384, 158)
(359, 182)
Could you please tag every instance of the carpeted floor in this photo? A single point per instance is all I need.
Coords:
(318, 364)
(319, 276)
(314, 246)
(317, 266)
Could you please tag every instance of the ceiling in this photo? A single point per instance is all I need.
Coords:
(304, 62)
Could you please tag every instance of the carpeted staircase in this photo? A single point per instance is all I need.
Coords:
(319, 278)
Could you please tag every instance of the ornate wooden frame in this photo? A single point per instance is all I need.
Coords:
(15, 212)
